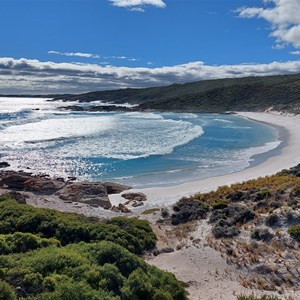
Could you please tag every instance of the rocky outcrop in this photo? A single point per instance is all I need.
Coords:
(115, 188)
(22, 181)
(86, 192)
(43, 185)
(14, 180)
(135, 196)
(91, 193)
(4, 164)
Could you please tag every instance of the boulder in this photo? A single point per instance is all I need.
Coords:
(115, 188)
(86, 192)
(43, 185)
(157, 252)
(123, 208)
(14, 180)
(135, 196)
(4, 164)
(137, 203)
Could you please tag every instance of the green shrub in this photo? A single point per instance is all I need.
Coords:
(219, 204)
(6, 291)
(294, 231)
(133, 234)
(102, 269)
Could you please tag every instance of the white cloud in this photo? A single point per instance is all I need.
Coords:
(138, 5)
(36, 77)
(295, 52)
(78, 54)
(284, 17)
(138, 9)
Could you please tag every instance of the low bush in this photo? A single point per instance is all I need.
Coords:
(186, 210)
(294, 231)
(219, 204)
(225, 231)
(262, 234)
(272, 220)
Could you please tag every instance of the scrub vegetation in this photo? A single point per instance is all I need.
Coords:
(48, 255)
(255, 225)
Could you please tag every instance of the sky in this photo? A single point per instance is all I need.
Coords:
(73, 46)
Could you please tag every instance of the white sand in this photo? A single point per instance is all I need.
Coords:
(287, 157)
(208, 274)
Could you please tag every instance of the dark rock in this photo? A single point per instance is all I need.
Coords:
(135, 196)
(86, 192)
(4, 164)
(115, 188)
(166, 250)
(157, 252)
(43, 185)
(14, 180)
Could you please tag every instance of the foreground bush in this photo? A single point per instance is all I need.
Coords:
(6, 291)
(100, 270)
(133, 234)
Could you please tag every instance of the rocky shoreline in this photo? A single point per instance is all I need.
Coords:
(32, 188)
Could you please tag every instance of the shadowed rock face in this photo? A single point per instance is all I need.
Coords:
(22, 181)
(115, 188)
(4, 164)
(86, 192)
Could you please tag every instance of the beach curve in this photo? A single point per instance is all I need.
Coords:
(287, 156)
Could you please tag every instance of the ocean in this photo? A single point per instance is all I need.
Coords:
(139, 149)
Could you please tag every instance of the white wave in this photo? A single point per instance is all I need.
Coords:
(137, 139)
(139, 115)
(43, 130)
(222, 120)
(262, 149)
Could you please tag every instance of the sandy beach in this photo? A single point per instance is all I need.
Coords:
(288, 155)
(204, 270)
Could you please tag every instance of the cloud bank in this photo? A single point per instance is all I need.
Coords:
(138, 5)
(26, 76)
(284, 17)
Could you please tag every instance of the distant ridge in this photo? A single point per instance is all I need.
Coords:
(279, 93)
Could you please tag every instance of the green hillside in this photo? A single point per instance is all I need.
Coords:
(244, 94)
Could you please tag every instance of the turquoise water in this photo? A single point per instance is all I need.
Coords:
(140, 149)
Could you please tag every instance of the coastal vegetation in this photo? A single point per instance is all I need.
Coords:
(255, 225)
(279, 93)
(48, 255)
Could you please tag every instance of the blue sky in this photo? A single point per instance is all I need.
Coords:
(80, 45)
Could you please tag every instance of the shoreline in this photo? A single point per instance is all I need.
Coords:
(285, 156)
